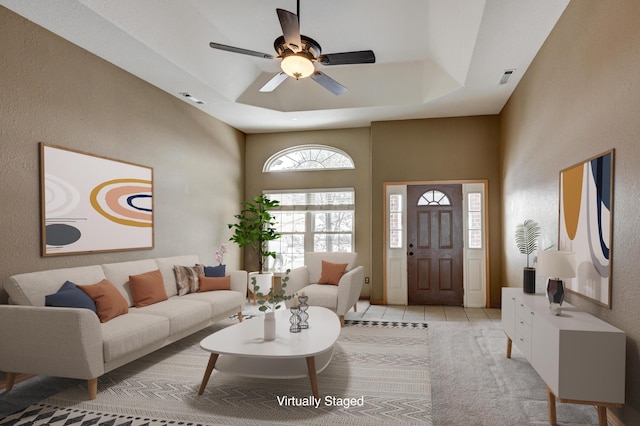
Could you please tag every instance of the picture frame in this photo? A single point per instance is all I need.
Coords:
(93, 204)
(586, 225)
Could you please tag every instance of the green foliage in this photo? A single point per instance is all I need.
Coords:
(273, 297)
(256, 227)
(527, 234)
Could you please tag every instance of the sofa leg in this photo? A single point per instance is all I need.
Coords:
(355, 307)
(10, 381)
(341, 320)
(240, 316)
(92, 385)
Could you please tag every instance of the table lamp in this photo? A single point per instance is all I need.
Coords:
(556, 265)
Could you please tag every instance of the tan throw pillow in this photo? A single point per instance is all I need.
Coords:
(109, 302)
(147, 288)
(332, 272)
(187, 278)
(214, 283)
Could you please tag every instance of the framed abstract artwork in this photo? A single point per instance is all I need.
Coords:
(586, 225)
(93, 204)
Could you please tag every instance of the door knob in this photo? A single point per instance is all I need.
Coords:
(411, 245)
(410, 253)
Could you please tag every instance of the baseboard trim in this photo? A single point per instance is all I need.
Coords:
(625, 416)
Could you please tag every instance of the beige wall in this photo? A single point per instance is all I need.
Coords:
(355, 142)
(579, 98)
(55, 92)
(464, 148)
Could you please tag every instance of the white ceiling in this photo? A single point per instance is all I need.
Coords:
(434, 58)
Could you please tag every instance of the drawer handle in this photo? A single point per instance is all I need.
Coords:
(522, 322)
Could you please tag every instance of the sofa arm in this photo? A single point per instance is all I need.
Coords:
(239, 282)
(298, 279)
(61, 342)
(349, 289)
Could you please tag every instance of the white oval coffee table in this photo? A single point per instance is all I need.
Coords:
(240, 349)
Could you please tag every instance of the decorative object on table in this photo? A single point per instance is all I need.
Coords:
(220, 269)
(294, 319)
(272, 300)
(269, 326)
(586, 225)
(556, 265)
(527, 234)
(92, 204)
(303, 307)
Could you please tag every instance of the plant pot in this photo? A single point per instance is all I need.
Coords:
(529, 280)
(264, 282)
(269, 326)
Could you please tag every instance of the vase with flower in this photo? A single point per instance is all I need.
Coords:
(220, 269)
(271, 302)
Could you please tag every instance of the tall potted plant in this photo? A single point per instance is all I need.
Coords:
(254, 229)
(527, 234)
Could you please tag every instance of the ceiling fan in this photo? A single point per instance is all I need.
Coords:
(298, 54)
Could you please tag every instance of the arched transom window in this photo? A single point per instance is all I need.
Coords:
(433, 197)
(308, 157)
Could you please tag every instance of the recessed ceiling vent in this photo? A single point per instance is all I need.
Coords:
(506, 75)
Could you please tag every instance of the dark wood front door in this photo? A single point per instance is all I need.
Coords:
(435, 244)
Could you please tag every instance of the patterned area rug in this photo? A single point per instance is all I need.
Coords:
(379, 375)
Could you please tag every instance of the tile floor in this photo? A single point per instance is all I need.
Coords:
(370, 312)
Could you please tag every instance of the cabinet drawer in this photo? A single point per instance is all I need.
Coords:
(524, 312)
(523, 337)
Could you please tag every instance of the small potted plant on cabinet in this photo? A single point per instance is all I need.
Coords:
(254, 229)
(527, 234)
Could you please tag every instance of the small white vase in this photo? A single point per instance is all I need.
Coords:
(269, 326)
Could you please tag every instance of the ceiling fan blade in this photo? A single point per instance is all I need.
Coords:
(240, 50)
(346, 58)
(290, 29)
(271, 85)
(328, 83)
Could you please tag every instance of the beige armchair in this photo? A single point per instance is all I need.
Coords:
(339, 298)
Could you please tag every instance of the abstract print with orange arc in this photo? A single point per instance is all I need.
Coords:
(106, 200)
(572, 191)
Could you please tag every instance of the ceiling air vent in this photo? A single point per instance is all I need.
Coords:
(506, 75)
(192, 98)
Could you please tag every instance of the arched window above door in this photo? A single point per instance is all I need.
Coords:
(308, 157)
(433, 197)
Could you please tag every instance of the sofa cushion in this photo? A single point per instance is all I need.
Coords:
(332, 272)
(70, 296)
(132, 332)
(183, 314)
(313, 261)
(223, 302)
(31, 288)
(118, 274)
(147, 288)
(215, 271)
(322, 295)
(109, 302)
(214, 283)
(166, 264)
(187, 278)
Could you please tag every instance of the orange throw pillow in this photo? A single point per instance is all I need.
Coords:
(214, 283)
(332, 272)
(109, 302)
(147, 288)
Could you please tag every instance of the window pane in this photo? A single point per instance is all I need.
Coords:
(309, 157)
(434, 197)
(332, 242)
(475, 238)
(475, 201)
(290, 252)
(475, 220)
(287, 221)
(395, 239)
(333, 221)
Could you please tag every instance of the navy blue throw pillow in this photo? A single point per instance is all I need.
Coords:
(215, 271)
(70, 296)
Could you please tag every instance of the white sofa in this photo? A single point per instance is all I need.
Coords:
(339, 298)
(72, 342)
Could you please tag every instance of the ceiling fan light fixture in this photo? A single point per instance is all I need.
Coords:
(297, 66)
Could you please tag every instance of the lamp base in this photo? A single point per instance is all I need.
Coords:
(555, 292)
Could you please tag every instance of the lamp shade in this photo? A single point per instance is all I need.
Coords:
(557, 264)
(297, 66)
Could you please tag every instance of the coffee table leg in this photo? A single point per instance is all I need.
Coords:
(212, 363)
(311, 366)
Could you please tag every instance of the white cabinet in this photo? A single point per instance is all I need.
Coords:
(580, 357)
